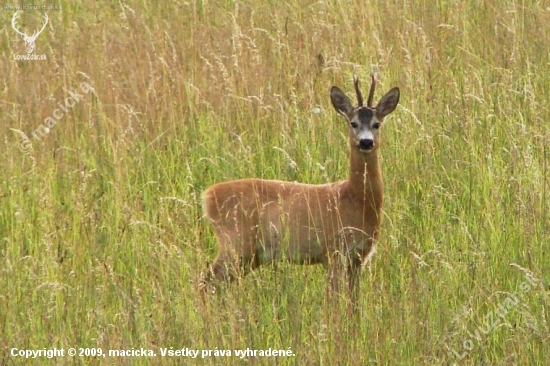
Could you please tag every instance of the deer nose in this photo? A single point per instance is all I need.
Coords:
(366, 144)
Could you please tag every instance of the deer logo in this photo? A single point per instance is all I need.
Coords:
(29, 40)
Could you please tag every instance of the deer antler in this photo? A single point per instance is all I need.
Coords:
(35, 34)
(15, 16)
(358, 91)
(371, 92)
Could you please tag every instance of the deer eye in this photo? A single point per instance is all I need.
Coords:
(376, 125)
(354, 124)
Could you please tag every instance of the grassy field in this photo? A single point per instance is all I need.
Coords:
(102, 238)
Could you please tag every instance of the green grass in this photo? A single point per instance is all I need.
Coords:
(101, 227)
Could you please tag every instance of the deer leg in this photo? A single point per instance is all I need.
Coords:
(224, 268)
(235, 258)
(335, 274)
(354, 275)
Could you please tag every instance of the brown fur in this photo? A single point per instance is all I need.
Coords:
(260, 221)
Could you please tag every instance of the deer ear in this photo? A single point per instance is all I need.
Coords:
(388, 103)
(340, 101)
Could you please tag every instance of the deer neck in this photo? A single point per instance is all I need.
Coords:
(365, 180)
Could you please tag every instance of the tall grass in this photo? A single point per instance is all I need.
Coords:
(101, 228)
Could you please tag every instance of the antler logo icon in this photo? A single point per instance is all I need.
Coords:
(29, 40)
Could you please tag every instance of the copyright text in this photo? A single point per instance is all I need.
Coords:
(143, 352)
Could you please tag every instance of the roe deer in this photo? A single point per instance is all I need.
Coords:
(259, 221)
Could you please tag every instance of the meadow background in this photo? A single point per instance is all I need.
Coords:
(102, 238)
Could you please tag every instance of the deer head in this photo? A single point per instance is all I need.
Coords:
(364, 121)
(29, 40)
